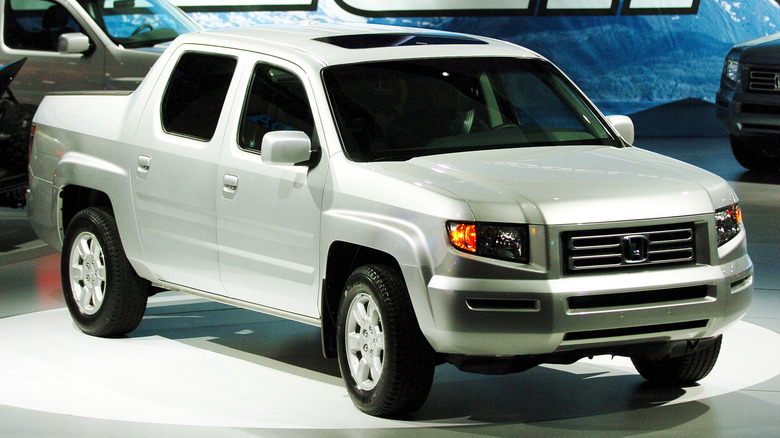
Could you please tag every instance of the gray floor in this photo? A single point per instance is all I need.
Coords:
(195, 368)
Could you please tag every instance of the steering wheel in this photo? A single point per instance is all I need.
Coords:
(140, 29)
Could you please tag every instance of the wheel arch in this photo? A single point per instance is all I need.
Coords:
(354, 239)
(74, 198)
(343, 258)
(83, 181)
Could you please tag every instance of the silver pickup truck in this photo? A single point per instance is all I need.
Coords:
(423, 197)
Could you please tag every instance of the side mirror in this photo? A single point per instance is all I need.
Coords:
(624, 126)
(73, 43)
(285, 148)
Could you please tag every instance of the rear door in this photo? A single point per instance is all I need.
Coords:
(174, 172)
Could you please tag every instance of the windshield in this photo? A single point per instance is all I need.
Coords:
(399, 110)
(139, 23)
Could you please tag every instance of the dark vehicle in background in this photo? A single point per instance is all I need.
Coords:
(14, 134)
(748, 102)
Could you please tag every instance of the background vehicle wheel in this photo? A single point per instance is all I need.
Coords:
(103, 293)
(386, 362)
(757, 153)
(684, 370)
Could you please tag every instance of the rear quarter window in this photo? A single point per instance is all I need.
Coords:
(196, 93)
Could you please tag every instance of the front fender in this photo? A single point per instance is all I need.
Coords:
(404, 240)
(417, 246)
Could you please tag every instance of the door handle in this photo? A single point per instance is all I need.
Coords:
(229, 185)
(144, 164)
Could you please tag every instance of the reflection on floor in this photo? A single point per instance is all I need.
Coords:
(196, 368)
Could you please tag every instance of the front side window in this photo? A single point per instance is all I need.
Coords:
(276, 101)
(398, 110)
(36, 24)
(195, 95)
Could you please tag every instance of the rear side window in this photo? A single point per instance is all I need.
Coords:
(196, 94)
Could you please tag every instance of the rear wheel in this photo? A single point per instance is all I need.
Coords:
(386, 363)
(103, 293)
(678, 371)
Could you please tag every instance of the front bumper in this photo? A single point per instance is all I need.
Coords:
(506, 317)
(748, 114)
(546, 313)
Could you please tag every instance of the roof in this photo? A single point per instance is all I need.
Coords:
(331, 44)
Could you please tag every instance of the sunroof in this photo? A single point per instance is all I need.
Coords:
(370, 41)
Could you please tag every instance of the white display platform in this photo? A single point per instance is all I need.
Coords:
(180, 369)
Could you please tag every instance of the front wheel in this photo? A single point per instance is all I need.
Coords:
(757, 153)
(386, 363)
(103, 293)
(679, 371)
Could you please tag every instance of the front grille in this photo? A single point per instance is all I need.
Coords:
(761, 109)
(764, 81)
(633, 331)
(632, 299)
(757, 127)
(628, 247)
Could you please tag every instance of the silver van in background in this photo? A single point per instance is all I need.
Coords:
(75, 45)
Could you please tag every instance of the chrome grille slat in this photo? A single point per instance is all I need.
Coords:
(594, 250)
(764, 81)
(668, 251)
(582, 247)
(687, 239)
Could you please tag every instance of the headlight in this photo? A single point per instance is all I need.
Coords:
(728, 223)
(731, 68)
(498, 241)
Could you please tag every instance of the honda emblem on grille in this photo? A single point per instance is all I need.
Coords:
(635, 248)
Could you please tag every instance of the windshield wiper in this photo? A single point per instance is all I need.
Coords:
(145, 43)
(396, 157)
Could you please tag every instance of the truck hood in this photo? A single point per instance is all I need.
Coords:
(565, 185)
(764, 50)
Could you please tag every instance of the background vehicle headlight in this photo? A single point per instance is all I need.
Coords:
(731, 68)
(728, 223)
(498, 241)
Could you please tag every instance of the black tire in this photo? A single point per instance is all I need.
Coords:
(404, 362)
(679, 371)
(757, 153)
(103, 293)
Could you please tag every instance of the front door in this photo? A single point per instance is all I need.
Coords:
(268, 217)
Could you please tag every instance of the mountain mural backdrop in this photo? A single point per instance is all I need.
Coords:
(625, 63)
